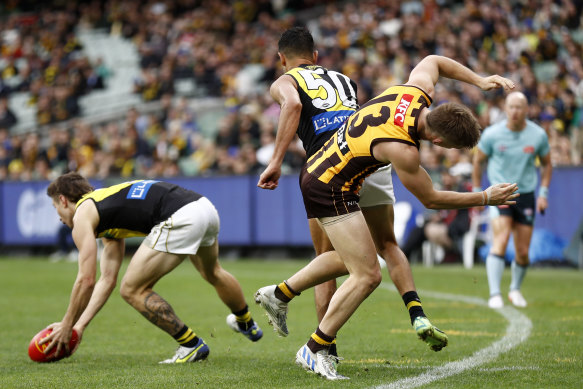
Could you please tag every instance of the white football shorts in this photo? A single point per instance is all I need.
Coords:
(377, 189)
(194, 225)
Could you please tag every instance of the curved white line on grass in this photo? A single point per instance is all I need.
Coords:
(518, 330)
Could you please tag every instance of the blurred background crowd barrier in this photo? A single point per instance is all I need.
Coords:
(251, 217)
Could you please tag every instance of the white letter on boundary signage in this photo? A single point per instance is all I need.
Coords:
(36, 216)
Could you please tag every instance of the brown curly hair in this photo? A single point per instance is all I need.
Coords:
(71, 185)
(455, 123)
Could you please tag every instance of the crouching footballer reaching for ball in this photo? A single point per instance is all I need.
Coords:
(176, 222)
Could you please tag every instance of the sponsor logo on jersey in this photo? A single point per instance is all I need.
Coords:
(139, 190)
(328, 121)
(402, 109)
(528, 149)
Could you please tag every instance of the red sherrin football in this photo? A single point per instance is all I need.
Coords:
(35, 350)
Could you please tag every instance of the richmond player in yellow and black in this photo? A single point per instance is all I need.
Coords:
(385, 130)
(134, 208)
(327, 97)
(176, 222)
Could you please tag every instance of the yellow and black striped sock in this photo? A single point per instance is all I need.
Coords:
(285, 293)
(244, 320)
(186, 337)
(413, 304)
(320, 341)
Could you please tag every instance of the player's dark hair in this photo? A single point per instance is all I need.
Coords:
(456, 124)
(71, 185)
(296, 42)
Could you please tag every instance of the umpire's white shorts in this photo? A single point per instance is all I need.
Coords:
(377, 189)
(194, 225)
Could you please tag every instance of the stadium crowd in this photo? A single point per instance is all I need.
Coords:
(228, 50)
(41, 55)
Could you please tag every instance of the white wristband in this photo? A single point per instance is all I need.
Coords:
(487, 195)
(543, 192)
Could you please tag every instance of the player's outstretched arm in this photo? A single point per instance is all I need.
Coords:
(406, 162)
(111, 260)
(84, 222)
(427, 72)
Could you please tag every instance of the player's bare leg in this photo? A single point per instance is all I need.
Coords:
(325, 267)
(145, 269)
(364, 276)
(322, 292)
(380, 222)
(227, 287)
(362, 264)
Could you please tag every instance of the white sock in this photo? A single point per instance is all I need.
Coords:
(518, 272)
(494, 269)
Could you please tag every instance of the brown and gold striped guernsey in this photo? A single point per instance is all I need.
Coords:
(346, 159)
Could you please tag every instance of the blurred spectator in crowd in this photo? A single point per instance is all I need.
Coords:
(267, 143)
(224, 49)
(7, 117)
(40, 54)
(4, 153)
(444, 228)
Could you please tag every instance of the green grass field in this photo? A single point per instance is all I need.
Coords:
(120, 349)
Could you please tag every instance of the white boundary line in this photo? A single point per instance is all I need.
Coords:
(517, 331)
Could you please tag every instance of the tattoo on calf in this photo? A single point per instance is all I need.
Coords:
(160, 313)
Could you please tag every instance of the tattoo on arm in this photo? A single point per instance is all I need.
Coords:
(161, 314)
